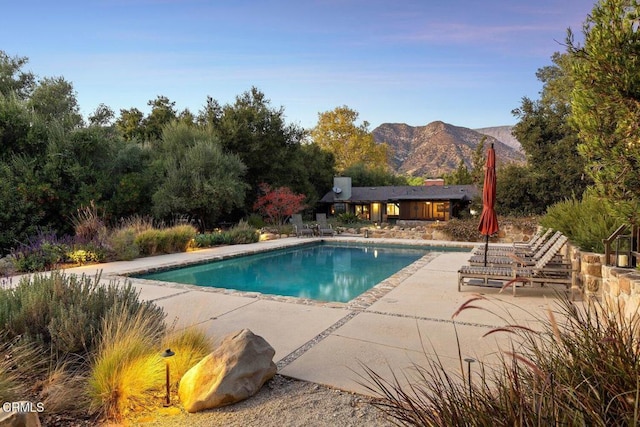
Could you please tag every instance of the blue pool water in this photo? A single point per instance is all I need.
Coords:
(323, 271)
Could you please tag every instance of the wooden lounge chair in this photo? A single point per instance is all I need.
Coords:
(522, 259)
(301, 229)
(523, 248)
(543, 272)
(324, 228)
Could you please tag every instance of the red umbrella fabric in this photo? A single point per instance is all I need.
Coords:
(489, 220)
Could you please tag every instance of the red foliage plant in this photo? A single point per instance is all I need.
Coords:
(276, 205)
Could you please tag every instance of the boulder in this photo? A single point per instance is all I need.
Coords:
(19, 414)
(236, 370)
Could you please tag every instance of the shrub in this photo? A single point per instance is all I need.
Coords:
(348, 218)
(41, 252)
(80, 256)
(585, 221)
(208, 240)
(63, 313)
(122, 242)
(582, 367)
(256, 221)
(243, 233)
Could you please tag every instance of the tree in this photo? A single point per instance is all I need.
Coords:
(163, 112)
(102, 116)
(130, 124)
(258, 134)
(549, 140)
(338, 133)
(605, 101)
(55, 100)
(363, 176)
(199, 179)
(13, 81)
(277, 205)
(460, 176)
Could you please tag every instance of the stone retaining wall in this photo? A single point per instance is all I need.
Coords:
(621, 290)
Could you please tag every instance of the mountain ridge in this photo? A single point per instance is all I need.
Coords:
(437, 148)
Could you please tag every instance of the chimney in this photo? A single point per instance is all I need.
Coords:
(341, 187)
(433, 181)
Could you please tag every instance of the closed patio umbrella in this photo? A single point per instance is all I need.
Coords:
(489, 220)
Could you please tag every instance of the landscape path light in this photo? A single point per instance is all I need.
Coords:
(166, 355)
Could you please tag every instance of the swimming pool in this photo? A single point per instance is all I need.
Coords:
(324, 271)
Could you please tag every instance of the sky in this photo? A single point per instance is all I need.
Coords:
(465, 62)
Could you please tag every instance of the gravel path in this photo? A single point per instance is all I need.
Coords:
(282, 402)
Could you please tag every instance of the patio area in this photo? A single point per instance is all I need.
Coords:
(402, 324)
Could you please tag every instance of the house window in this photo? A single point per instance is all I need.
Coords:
(393, 209)
(339, 208)
(362, 211)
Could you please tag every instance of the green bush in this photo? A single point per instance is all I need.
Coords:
(123, 244)
(41, 252)
(243, 233)
(347, 218)
(208, 240)
(585, 221)
(62, 312)
(256, 221)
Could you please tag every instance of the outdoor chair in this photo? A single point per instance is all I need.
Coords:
(324, 228)
(522, 259)
(526, 249)
(543, 272)
(301, 229)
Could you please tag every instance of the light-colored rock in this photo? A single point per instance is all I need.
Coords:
(19, 414)
(236, 370)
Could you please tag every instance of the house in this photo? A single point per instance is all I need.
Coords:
(433, 201)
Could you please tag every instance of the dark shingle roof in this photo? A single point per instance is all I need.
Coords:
(406, 192)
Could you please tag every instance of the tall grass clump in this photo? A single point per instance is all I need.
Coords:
(126, 369)
(18, 359)
(586, 221)
(180, 237)
(190, 346)
(580, 367)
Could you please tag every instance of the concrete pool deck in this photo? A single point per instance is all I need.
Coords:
(407, 322)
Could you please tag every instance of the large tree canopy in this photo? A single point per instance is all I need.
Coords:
(350, 144)
(200, 180)
(554, 170)
(606, 101)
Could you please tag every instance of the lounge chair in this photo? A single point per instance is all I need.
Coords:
(526, 249)
(324, 228)
(301, 229)
(543, 272)
(522, 259)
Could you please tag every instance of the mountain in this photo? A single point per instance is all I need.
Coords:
(436, 148)
(502, 134)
